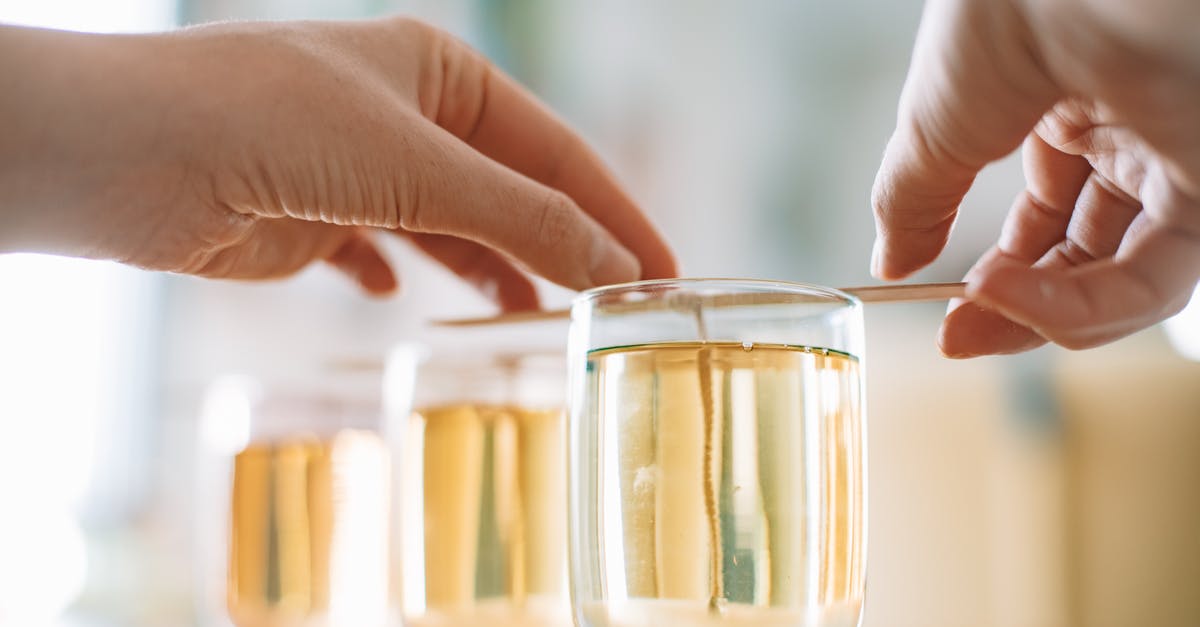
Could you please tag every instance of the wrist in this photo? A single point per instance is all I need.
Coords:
(72, 119)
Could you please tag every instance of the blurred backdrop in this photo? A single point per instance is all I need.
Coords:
(1052, 488)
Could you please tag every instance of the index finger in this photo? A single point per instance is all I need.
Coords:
(489, 111)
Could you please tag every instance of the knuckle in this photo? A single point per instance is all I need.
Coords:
(1176, 304)
(216, 264)
(230, 229)
(557, 218)
(1072, 253)
(1177, 213)
(461, 80)
(209, 244)
(914, 189)
(1082, 336)
(1068, 126)
(410, 27)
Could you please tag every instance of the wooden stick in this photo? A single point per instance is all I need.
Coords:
(909, 293)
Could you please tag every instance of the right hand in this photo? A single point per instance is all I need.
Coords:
(1105, 95)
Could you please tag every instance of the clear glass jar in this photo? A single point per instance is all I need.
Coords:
(717, 455)
(483, 482)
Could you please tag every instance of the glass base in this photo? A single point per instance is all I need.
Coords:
(687, 613)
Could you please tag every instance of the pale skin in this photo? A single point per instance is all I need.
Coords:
(1104, 95)
(251, 150)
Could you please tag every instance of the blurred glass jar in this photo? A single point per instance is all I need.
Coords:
(295, 500)
(483, 512)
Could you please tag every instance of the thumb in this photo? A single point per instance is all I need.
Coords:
(974, 90)
(468, 195)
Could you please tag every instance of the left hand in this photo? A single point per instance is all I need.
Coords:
(249, 150)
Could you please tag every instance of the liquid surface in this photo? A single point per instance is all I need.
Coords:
(726, 474)
(309, 532)
(484, 522)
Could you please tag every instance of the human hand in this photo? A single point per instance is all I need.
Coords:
(1105, 239)
(250, 150)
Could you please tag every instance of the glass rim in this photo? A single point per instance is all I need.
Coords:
(442, 359)
(729, 285)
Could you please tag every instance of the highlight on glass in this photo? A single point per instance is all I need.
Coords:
(716, 455)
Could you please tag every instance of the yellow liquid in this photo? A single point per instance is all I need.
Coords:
(659, 612)
(484, 525)
(309, 532)
(730, 476)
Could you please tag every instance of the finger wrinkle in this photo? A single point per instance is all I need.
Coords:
(940, 228)
(1073, 253)
(932, 151)
(554, 217)
(413, 194)
(889, 204)
(1065, 132)
(1115, 191)
(1046, 209)
(233, 230)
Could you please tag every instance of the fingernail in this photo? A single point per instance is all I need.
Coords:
(949, 342)
(950, 350)
(380, 286)
(611, 263)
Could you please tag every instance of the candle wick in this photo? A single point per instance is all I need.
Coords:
(704, 362)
